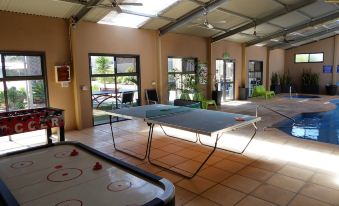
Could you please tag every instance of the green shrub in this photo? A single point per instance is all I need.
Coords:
(16, 98)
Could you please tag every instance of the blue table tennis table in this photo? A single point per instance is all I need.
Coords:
(199, 121)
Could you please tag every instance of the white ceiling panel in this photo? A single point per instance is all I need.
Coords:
(289, 2)
(240, 38)
(254, 9)
(155, 24)
(221, 19)
(319, 8)
(289, 19)
(41, 7)
(96, 14)
(179, 9)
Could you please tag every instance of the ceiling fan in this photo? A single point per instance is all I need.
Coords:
(114, 4)
(206, 23)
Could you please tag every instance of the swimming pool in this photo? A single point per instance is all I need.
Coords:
(301, 96)
(320, 126)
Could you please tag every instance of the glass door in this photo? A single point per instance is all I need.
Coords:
(255, 75)
(225, 70)
(113, 77)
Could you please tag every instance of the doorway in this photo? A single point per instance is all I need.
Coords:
(225, 74)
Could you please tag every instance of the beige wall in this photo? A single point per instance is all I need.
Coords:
(296, 69)
(276, 63)
(179, 45)
(217, 52)
(97, 38)
(42, 34)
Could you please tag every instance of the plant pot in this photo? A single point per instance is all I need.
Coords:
(276, 88)
(216, 96)
(331, 89)
(310, 89)
(243, 93)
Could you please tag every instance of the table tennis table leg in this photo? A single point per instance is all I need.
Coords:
(125, 152)
(186, 176)
(243, 150)
(163, 130)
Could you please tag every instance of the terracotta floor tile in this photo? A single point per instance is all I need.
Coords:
(240, 158)
(241, 183)
(188, 153)
(200, 201)
(296, 172)
(229, 165)
(285, 182)
(325, 180)
(196, 184)
(223, 195)
(158, 153)
(256, 173)
(301, 200)
(211, 161)
(172, 159)
(321, 193)
(182, 196)
(189, 166)
(273, 194)
(266, 165)
(214, 174)
(170, 176)
(253, 201)
(172, 148)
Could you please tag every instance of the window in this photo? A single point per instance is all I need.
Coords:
(22, 81)
(181, 72)
(309, 58)
(111, 77)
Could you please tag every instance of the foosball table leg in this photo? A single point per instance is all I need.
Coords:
(49, 135)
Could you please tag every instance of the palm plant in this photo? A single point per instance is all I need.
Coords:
(103, 67)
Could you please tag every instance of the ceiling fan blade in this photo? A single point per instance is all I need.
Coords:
(130, 4)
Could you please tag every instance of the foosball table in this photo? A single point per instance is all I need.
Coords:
(16, 122)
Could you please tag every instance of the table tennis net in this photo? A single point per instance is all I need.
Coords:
(154, 113)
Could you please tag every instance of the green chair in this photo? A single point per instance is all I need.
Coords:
(261, 91)
(204, 102)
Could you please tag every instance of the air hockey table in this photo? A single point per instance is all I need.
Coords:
(72, 174)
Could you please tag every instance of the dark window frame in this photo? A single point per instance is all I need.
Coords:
(115, 74)
(6, 78)
(308, 61)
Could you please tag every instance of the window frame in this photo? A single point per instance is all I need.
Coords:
(6, 78)
(114, 75)
(182, 73)
(308, 61)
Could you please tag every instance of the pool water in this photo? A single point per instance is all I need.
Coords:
(320, 126)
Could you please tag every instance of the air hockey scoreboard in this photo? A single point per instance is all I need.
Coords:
(16, 122)
(72, 174)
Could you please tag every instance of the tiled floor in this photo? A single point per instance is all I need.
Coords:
(276, 169)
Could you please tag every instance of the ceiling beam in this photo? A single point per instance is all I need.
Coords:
(85, 10)
(194, 14)
(265, 19)
(312, 22)
(312, 36)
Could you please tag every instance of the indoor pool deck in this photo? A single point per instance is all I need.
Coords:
(276, 169)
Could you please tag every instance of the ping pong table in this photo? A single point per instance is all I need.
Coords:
(199, 121)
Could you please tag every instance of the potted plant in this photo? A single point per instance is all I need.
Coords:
(309, 82)
(285, 82)
(331, 89)
(275, 84)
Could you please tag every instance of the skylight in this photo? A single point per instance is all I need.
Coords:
(149, 7)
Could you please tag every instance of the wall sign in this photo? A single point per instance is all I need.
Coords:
(327, 69)
(202, 73)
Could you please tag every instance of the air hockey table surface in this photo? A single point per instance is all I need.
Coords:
(65, 174)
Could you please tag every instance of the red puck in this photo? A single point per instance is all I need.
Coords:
(74, 152)
(58, 167)
(97, 166)
(239, 119)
